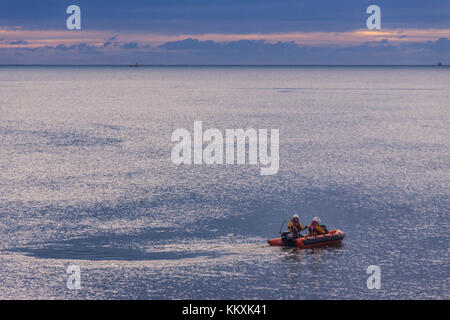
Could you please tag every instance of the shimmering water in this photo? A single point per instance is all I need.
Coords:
(86, 179)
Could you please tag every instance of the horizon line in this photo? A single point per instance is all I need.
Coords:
(221, 65)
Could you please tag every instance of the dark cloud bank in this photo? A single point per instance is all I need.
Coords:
(252, 52)
(262, 52)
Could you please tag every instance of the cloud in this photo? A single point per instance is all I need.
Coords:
(79, 48)
(195, 51)
(188, 44)
(18, 42)
(130, 45)
(441, 45)
(133, 45)
(240, 45)
(262, 52)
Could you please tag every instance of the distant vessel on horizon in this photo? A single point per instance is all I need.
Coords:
(134, 65)
(439, 64)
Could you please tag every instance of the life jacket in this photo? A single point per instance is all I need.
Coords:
(315, 228)
(295, 226)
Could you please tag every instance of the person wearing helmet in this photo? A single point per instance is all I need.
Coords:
(315, 228)
(295, 227)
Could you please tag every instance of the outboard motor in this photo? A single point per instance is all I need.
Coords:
(288, 239)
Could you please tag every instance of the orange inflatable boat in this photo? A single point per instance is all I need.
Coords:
(333, 236)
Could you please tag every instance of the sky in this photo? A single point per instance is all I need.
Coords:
(272, 32)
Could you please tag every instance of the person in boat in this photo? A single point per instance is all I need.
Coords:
(315, 228)
(295, 227)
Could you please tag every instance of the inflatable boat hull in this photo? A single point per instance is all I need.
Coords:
(333, 236)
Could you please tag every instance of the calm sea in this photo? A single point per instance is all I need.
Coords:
(86, 179)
